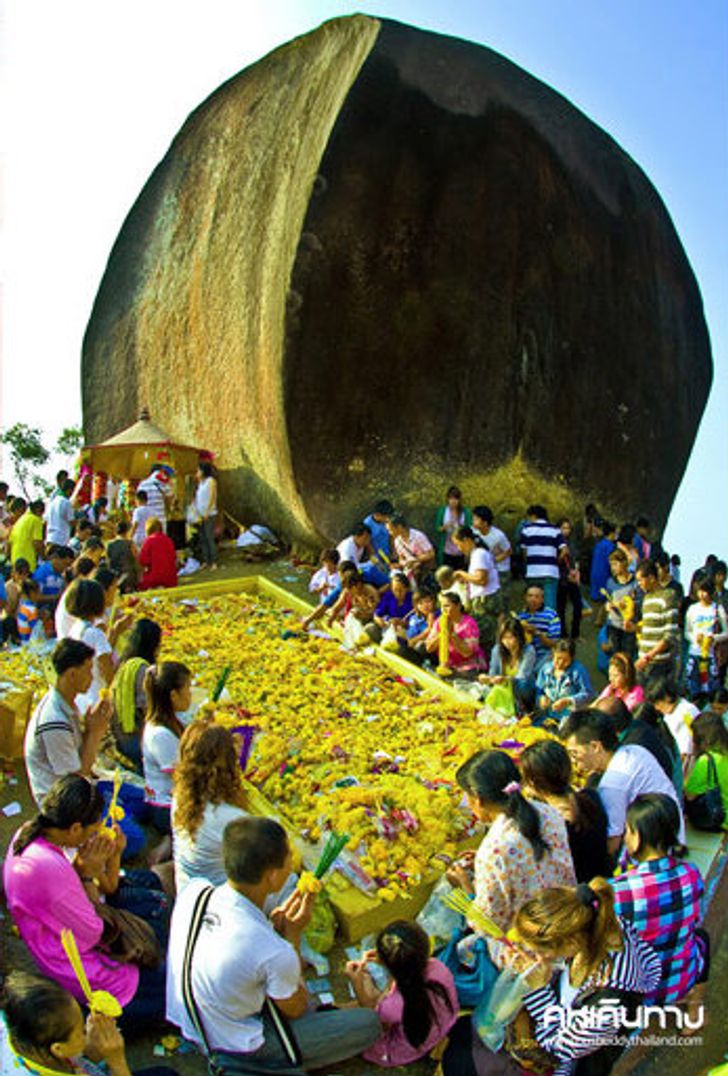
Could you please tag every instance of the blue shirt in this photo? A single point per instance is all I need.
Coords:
(600, 572)
(573, 684)
(416, 625)
(51, 583)
(380, 535)
(390, 608)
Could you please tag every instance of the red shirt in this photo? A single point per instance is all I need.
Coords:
(158, 557)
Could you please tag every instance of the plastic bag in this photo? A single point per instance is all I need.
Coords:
(499, 1007)
(321, 931)
(354, 634)
(436, 919)
(389, 639)
(500, 698)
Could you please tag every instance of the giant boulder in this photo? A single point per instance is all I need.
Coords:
(382, 260)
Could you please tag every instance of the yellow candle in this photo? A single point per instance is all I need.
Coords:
(443, 669)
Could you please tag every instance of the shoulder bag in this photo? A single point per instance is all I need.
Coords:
(706, 811)
(274, 1016)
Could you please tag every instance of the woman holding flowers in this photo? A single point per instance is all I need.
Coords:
(60, 872)
(465, 655)
(525, 850)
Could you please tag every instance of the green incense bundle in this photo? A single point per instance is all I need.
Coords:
(220, 685)
(335, 842)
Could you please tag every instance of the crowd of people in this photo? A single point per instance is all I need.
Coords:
(187, 908)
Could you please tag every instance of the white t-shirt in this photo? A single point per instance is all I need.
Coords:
(633, 771)
(53, 742)
(238, 961)
(139, 518)
(59, 518)
(680, 723)
(496, 542)
(349, 550)
(63, 619)
(160, 751)
(205, 497)
(202, 858)
(94, 637)
(482, 559)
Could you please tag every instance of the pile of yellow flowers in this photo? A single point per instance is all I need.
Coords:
(342, 743)
(25, 669)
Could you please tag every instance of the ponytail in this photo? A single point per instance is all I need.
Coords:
(70, 799)
(159, 683)
(492, 777)
(563, 915)
(404, 950)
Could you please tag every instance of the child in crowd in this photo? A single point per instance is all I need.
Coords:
(661, 897)
(28, 614)
(706, 624)
(419, 1006)
(168, 689)
(158, 558)
(139, 518)
(414, 633)
(621, 593)
(326, 579)
(446, 581)
(14, 596)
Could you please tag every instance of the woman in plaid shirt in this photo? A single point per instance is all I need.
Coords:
(661, 896)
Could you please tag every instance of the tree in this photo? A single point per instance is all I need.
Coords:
(69, 441)
(26, 452)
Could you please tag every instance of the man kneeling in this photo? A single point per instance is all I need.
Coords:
(232, 971)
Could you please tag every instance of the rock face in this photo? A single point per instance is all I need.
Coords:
(382, 260)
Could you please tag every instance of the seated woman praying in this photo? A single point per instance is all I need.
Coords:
(464, 655)
(525, 850)
(513, 660)
(61, 872)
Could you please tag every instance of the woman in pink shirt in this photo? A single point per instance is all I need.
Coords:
(465, 653)
(420, 1005)
(48, 889)
(622, 682)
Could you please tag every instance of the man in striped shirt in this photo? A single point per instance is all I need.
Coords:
(541, 542)
(158, 488)
(541, 623)
(657, 641)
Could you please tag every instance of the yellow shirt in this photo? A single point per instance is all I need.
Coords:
(28, 529)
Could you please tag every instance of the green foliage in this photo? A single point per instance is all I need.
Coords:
(69, 441)
(26, 452)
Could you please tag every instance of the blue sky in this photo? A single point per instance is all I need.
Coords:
(93, 98)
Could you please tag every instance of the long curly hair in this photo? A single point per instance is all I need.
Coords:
(207, 772)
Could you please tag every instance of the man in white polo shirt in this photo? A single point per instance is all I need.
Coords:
(627, 771)
(484, 597)
(218, 988)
